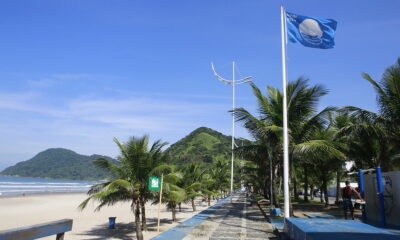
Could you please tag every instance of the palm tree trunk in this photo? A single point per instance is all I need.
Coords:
(305, 183)
(193, 205)
(383, 159)
(173, 212)
(321, 190)
(144, 222)
(326, 195)
(312, 192)
(324, 190)
(275, 187)
(139, 234)
(294, 178)
(337, 186)
(209, 201)
(296, 193)
(266, 190)
(385, 165)
(275, 201)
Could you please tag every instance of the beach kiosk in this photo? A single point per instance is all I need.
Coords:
(382, 206)
(382, 211)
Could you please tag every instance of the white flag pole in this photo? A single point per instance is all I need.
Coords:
(233, 124)
(285, 119)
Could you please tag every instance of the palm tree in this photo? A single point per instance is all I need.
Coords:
(221, 174)
(215, 180)
(173, 195)
(304, 119)
(209, 186)
(324, 155)
(376, 136)
(191, 181)
(388, 97)
(255, 167)
(155, 158)
(131, 173)
(338, 121)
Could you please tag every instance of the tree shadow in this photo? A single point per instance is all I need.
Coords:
(123, 231)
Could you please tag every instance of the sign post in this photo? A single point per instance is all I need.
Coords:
(156, 183)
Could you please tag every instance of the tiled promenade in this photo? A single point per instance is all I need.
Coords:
(236, 220)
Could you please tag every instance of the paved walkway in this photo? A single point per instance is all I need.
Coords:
(236, 220)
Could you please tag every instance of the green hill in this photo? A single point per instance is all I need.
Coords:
(201, 145)
(58, 163)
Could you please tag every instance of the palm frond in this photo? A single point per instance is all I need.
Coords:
(319, 149)
(108, 165)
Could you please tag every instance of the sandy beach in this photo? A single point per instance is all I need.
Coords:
(87, 224)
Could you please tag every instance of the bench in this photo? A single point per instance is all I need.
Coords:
(38, 231)
(251, 199)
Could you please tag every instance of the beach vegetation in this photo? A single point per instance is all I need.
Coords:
(191, 182)
(375, 136)
(60, 163)
(321, 142)
(136, 161)
(311, 142)
(173, 195)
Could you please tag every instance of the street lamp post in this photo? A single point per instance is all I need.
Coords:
(232, 82)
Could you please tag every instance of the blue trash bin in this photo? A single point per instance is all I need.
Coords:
(111, 222)
(274, 212)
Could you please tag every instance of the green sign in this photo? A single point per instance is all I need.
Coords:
(154, 183)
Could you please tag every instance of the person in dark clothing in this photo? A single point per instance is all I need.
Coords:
(347, 193)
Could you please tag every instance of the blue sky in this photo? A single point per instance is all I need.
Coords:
(75, 74)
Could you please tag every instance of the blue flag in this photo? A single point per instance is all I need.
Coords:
(311, 31)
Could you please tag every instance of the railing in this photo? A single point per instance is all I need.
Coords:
(38, 231)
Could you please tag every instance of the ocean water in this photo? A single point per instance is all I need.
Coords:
(20, 185)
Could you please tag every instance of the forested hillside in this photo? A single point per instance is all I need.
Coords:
(201, 145)
(58, 163)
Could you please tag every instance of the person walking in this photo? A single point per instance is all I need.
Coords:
(347, 193)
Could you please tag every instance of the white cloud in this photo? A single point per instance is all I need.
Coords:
(141, 113)
(54, 112)
(42, 83)
(25, 102)
(88, 124)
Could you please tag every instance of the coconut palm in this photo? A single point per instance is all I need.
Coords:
(323, 155)
(209, 184)
(337, 121)
(191, 181)
(220, 172)
(304, 119)
(257, 153)
(388, 97)
(155, 158)
(376, 136)
(131, 173)
(172, 194)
